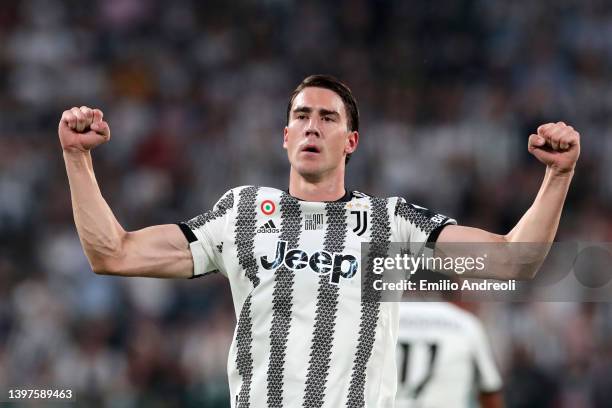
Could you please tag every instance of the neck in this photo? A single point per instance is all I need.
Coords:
(329, 188)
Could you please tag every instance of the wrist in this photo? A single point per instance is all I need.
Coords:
(77, 156)
(75, 152)
(560, 173)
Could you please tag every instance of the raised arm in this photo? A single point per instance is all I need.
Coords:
(161, 251)
(557, 145)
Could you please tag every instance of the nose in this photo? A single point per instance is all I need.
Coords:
(313, 128)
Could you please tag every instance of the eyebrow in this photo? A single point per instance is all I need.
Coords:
(322, 112)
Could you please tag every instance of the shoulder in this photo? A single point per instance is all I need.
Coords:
(359, 194)
(356, 195)
(398, 203)
(251, 190)
(404, 208)
(260, 191)
(247, 197)
(395, 203)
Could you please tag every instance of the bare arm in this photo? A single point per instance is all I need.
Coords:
(161, 251)
(557, 146)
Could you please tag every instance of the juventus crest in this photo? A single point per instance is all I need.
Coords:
(362, 222)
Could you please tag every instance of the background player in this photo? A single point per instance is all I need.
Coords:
(444, 359)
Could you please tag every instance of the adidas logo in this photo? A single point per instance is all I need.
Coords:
(268, 228)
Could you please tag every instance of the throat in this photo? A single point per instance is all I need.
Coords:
(326, 187)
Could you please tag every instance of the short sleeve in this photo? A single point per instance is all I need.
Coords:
(419, 226)
(488, 378)
(205, 234)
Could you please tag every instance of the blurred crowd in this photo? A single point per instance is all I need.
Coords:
(196, 93)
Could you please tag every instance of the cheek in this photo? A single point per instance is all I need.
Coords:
(339, 142)
(293, 147)
(289, 139)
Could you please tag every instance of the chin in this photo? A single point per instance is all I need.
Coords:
(310, 173)
(309, 170)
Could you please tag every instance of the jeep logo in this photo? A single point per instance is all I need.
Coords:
(321, 262)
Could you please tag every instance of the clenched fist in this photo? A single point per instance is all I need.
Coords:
(557, 145)
(82, 129)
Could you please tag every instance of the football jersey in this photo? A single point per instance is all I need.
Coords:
(444, 358)
(304, 337)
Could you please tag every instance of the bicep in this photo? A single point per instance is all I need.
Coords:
(459, 242)
(504, 259)
(160, 251)
(460, 233)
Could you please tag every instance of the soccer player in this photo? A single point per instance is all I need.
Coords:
(304, 336)
(444, 359)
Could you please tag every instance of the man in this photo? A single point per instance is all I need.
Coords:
(444, 359)
(303, 337)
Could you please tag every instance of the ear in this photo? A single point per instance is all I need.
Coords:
(352, 141)
(285, 137)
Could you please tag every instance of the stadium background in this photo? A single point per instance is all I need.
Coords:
(196, 95)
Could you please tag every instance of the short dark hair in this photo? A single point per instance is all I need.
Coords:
(343, 91)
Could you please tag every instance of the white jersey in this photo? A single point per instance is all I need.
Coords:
(444, 357)
(304, 337)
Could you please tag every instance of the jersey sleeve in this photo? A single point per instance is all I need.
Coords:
(205, 234)
(419, 226)
(488, 378)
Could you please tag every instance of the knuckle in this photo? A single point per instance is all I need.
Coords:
(546, 127)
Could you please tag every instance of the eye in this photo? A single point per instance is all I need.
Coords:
(301, 116)
(328, 119)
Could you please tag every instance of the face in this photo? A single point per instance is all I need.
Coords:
(317, 138)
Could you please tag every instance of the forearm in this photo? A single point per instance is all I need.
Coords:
(99, 231)
(530, 240)
(520, 253)
(541, 221)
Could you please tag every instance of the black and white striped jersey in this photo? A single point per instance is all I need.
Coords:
(304, 335)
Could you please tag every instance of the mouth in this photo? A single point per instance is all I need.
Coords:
(310, 148)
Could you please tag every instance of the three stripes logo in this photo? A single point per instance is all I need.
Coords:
(362, 222)
(268, 228)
